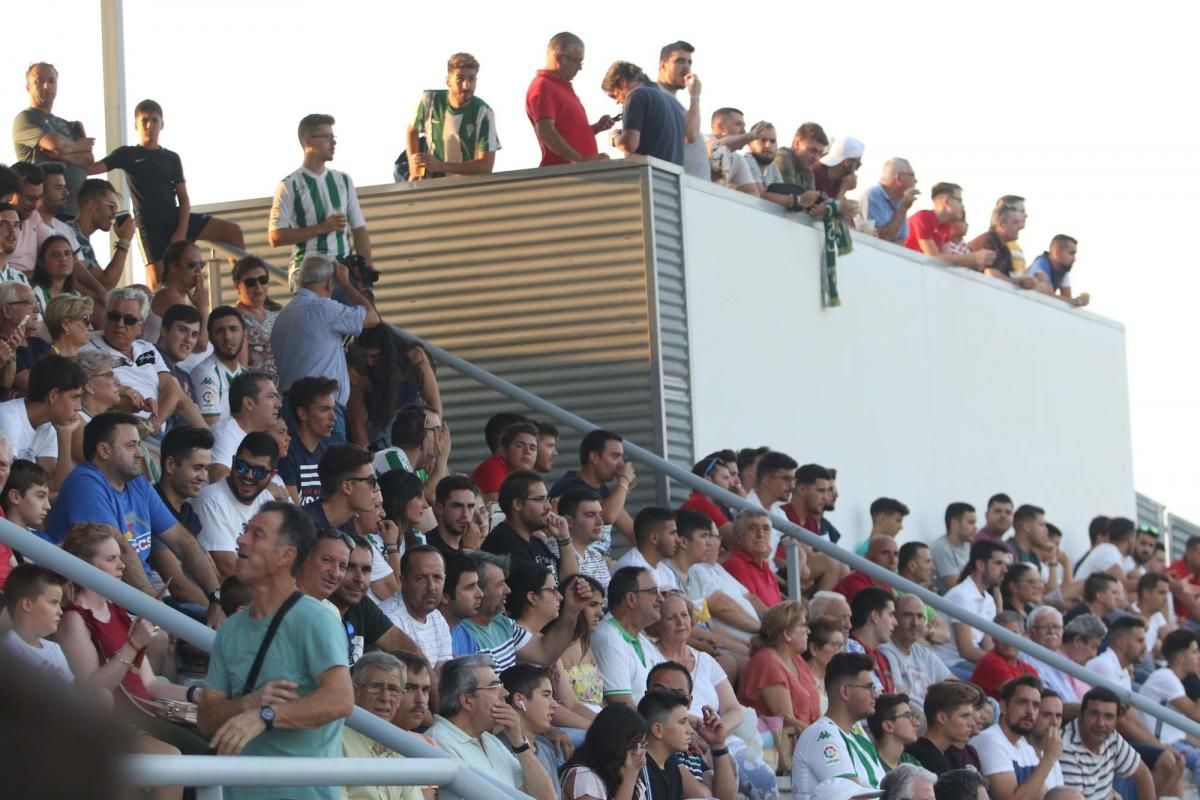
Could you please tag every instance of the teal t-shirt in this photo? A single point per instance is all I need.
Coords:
(309, 642)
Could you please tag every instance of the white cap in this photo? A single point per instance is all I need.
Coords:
(842, 789)
(842, 149)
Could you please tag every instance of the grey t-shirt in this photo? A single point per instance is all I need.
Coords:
(28, 128)
(948, 559)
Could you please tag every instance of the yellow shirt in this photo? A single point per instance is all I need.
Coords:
(1018, 258)
(355, 745)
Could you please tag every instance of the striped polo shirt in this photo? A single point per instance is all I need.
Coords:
(306, 198)
(1092, 773)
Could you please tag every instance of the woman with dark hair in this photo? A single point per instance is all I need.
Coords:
(534, 604)
(252, 278)
(1022, 589)
(387, 373)
(185, 281)
(609, 763)
(825, 640)
(52, 274)
(404, 503)
(578, 661)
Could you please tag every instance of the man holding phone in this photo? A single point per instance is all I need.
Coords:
(557, 115)
(315, 209)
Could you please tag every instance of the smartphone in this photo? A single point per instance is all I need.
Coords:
(120, 218)
(617, 118)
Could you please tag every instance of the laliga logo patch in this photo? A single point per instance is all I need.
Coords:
(830, 753)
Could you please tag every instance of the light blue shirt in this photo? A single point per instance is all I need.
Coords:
(881, 209)
(307, 340)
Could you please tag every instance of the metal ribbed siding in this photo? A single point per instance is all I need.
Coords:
(1181, 531)
(540, 277)
(671, 296)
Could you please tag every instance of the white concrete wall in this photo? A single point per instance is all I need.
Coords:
(930, 384)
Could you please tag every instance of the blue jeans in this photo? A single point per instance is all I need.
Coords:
(963, 670)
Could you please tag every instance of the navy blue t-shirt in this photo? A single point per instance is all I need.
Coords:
(299, 468)
(659, 118)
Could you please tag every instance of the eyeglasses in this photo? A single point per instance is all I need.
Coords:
(261, 280)
(195, 264)
(19, 303)
(872, 688)
(129, 319)
(380, 688)
(491, 687)
(653, 589)
(243, 467)
(370, 480)
(908, 715)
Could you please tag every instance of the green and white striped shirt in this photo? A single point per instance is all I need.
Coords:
(306, 198)
(456, 134)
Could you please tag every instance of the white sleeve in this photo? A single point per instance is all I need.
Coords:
(215, 532)
(205, 389)
(827, 759)
(445, 648)
(740, 173)
(282, 215)
(45, 442)
(615, 662)
(585, 783)
(994, 757)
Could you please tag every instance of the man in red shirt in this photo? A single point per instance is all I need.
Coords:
(929, 231)
(750, 562)
(518, 451)
(883, 551)
(813, 492)
(1185, 581)
(555, 111)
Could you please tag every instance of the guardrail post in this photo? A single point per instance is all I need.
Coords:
(792, 550)
(210, 793)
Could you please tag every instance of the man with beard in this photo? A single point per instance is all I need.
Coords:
(811, 498)
(212, 376)
(461, 595)
(1052, 270)
(454, 502)
(226, 506)
(414, 609)
(675, 73)
(366, 626)
(796, 162)
(729, 135)
(459, 127)
(98, 205)
(528, 521)
(1013, 769)
(760, 156)
(656, 539)
(984, 572)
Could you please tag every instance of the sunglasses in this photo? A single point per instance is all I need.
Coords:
(129, 319)
(261, 280)
(334, 533)
(242, 468)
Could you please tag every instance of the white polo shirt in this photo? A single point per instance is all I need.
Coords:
(965, 594)
(624, 661)
(139, 373)
(664, 576)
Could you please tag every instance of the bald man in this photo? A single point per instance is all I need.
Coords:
(884, 551)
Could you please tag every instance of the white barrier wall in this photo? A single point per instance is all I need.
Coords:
(929, 384)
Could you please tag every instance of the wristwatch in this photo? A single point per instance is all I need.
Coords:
(214, 596)
(522, 748)
(267, 715)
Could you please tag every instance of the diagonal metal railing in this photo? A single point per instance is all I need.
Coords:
(466, 782)
(209, 775)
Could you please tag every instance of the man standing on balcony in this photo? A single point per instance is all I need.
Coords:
(675, 73)
(654, 123)
(459, 128)
(558, 117)
(315, 209)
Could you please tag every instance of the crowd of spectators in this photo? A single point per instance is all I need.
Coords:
(284, 474)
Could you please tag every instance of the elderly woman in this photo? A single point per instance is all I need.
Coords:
(379, 680)
(252, 278)
(69, 323)
(778, 682)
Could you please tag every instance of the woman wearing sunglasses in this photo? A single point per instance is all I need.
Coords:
(252, 279)
(185, 281)
(609, 763)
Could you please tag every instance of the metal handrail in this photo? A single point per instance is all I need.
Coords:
(466, 782)
(791, 530)
(209, 774)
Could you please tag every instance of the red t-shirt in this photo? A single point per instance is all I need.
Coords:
(1181, 570)
(490, 473)
(765, 669)
(925, 225)
(883, 668)
(854, 583)
(701, 503)
(992, 672)
(550, 97)
(755, 576)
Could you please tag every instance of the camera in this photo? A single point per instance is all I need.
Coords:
(360, 271)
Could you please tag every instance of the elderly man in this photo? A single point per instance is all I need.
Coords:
(1007, 222)
(557, 115)
(622, 651)
(831, 604)
(139, 364)
(751, 559)
(379, 680)
(309, 334)
(908, 782)
(915, 667)
(889, 200)
(1044, 626)
(470, 706)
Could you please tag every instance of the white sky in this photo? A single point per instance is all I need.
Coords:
(1081, 108)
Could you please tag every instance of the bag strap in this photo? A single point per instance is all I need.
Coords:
(272, 629)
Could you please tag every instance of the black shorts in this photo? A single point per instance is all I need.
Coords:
(156, 237)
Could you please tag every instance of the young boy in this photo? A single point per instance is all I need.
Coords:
(160, 198)
(26, 496)
(530, 696)
(670, 733)
(33, 596)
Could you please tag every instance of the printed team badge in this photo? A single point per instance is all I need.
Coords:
(208, 397)
(830, 753)
(823, 736)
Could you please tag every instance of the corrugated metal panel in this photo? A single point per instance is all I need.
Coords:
(1152, 512)
(1181, 531)
(671, 306)
(539, 277)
